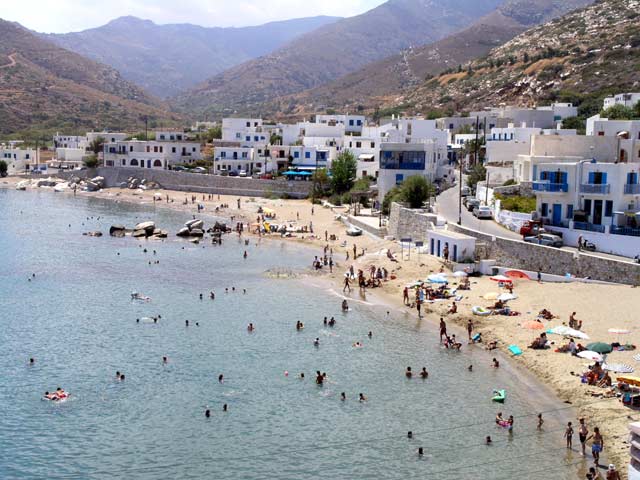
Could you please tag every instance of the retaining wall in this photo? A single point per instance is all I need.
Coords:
(194, 182)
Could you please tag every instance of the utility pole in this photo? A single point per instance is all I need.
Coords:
(475, 155)
(486, 190)
(460, 193)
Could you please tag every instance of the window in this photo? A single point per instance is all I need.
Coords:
(247, 139)
(608, 208)
(256, 138)
(570, 211)
(399, 178)
(238, 135)
(157, 163)
(124, 162)
(155, 149)
(601, 134)
(193, 149)
(307, 154)
(597, 178)
(402, 160)
(358, 144)
(161, 137)
(131, 148)
(223, 154)
(244, 154)
(173, 149)
(161, 149)
(544, 209)
(296, 154)
(632, 178)
(373, 144)
(359, 122)
(587, 206)
(248, 124)
(351, 123)
(26, 156)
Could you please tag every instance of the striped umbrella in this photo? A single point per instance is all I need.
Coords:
(618, 367)
(637, 357)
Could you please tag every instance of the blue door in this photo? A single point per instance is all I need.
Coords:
(557, 213)
(432, 247)
(455, 253)
(438, 254)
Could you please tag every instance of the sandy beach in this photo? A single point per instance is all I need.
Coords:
(600, 307)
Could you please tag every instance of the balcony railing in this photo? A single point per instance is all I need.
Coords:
(602, 188)
(550, 187)
(589, 227)
(634, 232)
(632, 189)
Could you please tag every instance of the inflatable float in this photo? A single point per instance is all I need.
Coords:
(56, 396)
(499, 396)
(515, 350)
(480, 311)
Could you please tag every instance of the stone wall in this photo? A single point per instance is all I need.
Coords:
(407, 223)
(194, 182)
(528, 256)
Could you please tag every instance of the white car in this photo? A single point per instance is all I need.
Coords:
(243, 173)
(482, 212)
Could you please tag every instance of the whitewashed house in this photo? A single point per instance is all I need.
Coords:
(236, 160)
(351, 123)
(627, 133)
(249, 132)
(18, 160)
(367, 153)
(625, 99)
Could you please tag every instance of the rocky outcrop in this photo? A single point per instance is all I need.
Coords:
(133, 183)
(117, 231)
(93, 234)
(192, 229)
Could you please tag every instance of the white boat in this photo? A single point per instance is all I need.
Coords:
(354, 231)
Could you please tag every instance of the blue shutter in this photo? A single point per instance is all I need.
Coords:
(591, 177)
(563, 177)
(570, 211)
(604, 180)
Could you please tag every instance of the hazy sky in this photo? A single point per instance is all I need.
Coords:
(73, 15)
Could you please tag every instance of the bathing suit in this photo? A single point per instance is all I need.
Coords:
(596, 448)
(583, 438)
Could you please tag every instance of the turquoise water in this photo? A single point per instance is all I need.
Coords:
(76, 319)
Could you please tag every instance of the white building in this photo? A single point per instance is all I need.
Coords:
(399, 161)
(351, 123)
(249, 132)
(18, 160)
(158, 154)
(70, 141)
(310, 158)
(236, 160)
(367, 153)
(109, 137)
(627, 133)
(625, 99)
(505, 144)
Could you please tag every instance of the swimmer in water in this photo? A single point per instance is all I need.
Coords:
(345, 305)
(164, 359)
(343, 396)
(499, 418)
(224, 407)
(424, 374)
(362, 398)
(207, 413)
(245, 254)
(186, 323)
(122, 377)
(409, 434)
(316, 342)
(302, 376)
(408, 373)
(200, 296)
(470, 368)
(32, 361)
(319, 378)
(488, 440)
(496, 363)
(324, 321)
(220, 378)
(212, 295)
(117, 375)
(244, 291)
(370, 334)
(250, 327)
(420, 451)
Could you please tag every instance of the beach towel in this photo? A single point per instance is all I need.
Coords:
(515, 350)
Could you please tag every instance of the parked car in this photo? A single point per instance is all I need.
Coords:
(482, 212)
(546, 239)
(199, 170)
(178, 168)
(243, 173)
(233, 173)
(472, 204)
(532, 227)
(466, 191)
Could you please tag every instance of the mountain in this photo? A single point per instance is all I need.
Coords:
(331, 51)
(382, 81)
(43, 86)
(168, 59)
(580, 58)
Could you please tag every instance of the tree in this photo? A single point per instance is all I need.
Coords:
(91, 161)
(275, 139)
(96, 145)
(343, 172)
(392, 195)
(525, 57)
(618, 112)
(415, 190)
(478, 173)
(3, 168)
(320, 181)
(577, 123)
(636, 110)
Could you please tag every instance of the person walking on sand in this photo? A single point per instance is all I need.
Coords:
(539, 276)
(568, 434)
(470, 329)
(405, 296)
(418, 302)
(540, 421)
(597, 446)
(347, 285)
(583, 432)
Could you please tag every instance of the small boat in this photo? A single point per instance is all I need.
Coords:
(499, 396)
(481, 311)
(354, 231)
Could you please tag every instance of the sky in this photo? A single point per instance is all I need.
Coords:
(61, 16)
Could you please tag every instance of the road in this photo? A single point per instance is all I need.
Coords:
(12, 61)
(447, 205)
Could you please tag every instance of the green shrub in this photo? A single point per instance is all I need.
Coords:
(516, 203)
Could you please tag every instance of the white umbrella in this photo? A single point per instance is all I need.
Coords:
(618, 367)
(589, 355)
(637, 357)
(437, 278)
(460, 274)
(619, 331)
(570, 332)
(505, 297)
(501, 278)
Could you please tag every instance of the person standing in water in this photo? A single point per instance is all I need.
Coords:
(597, 446)
(583, 432)
(443, 329)
(568, 435)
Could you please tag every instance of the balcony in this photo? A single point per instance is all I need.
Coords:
(599, 189)
(550, 187)
(632, 189)
(588, 227)
(633, 232)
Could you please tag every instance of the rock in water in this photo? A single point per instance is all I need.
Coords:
(191, 224)
(197, 232)
(139, 233)
(183, 232)
(117, 230)
(147, 226)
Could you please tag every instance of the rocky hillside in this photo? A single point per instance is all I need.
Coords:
(383, 81)
(43, 86)
(332, 51)
(168, 59)
(580, 57)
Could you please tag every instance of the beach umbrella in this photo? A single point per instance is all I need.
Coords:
(600, 347)
(501, 278)
(460, 274)
(619, 331)
(590, 355)
(439, 278)
(637, 357)
(569, 332)
(618, 367)
(533, 325)
(505, 297)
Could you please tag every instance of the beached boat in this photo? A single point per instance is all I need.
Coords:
(477, 310)
(354, 231)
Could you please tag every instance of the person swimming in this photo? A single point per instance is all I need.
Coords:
(499, 419)
(207, 413)
(324, 322)
(470, 368)
(345, 305)
(332, 322)
(224, 407)
(409, 434)
(488, 440)
(370, 335)
(220, 378)
(164, 359)
(343, 396)
(362, 398)
(250, 328)
(408, 373)
(424, 374)
(319, 378)
(32, 361)
(316, 342)
(496, 363)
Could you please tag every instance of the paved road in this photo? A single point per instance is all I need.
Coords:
(447, 204)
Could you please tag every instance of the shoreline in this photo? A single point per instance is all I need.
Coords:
(545, 372)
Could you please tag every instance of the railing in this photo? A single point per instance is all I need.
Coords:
(634, 232)
(550, 187)
(602, 188)
(632, 189)
(589, 227)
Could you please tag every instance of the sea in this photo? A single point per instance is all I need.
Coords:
(66, 302)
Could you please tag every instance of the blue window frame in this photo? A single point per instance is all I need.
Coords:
(570, 211)
(307, 154)
(608, 208)
(632, 178)
(544, 209)
(399, 178)
(256, 138)
(296, 154)
(587, 206)
(351, 123)
(247, 139)
(402, 160)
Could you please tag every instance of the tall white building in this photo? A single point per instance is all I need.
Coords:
(351, 123)
(625, 99)
(19, 160)
(248, 132)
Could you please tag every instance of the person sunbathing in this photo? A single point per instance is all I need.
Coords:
(454, 308)
(546, 314)
(605, 381)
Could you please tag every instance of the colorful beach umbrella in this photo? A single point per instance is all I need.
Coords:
(600, 347)
(618, 367)
(533, 325)
(460, 274)
(590, 355)
(501, 278)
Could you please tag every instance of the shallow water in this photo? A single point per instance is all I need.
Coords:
(76, 318)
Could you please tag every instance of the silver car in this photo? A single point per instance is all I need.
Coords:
(482, 212)
(546, 239)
